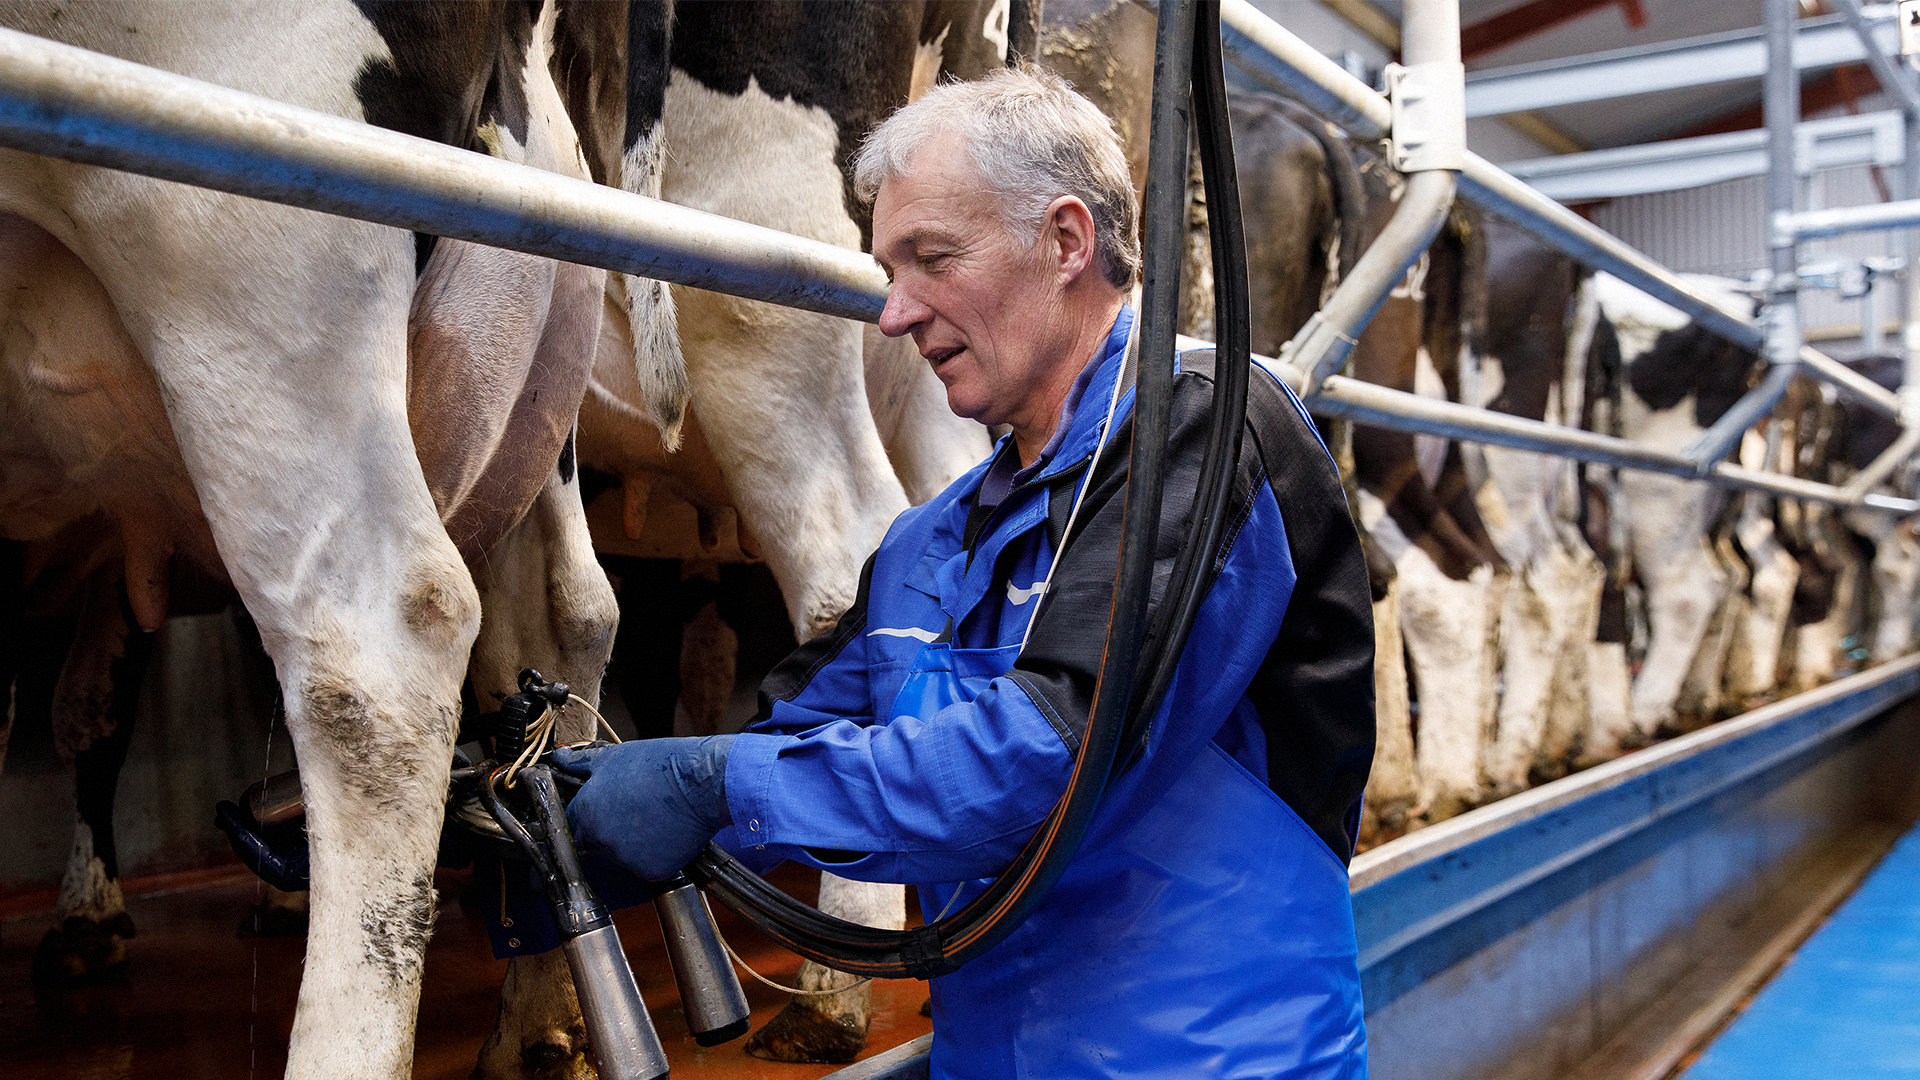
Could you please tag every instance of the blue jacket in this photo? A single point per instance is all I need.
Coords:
(1204, 928)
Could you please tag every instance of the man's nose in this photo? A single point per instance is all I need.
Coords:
(902, 313)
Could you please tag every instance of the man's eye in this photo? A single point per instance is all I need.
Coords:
(936, 260)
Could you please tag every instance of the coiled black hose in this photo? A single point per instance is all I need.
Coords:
(1187, 73)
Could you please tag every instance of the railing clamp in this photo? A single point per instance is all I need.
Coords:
(1429, 115)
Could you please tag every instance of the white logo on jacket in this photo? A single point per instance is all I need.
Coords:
(1018, 596)
(904, 631)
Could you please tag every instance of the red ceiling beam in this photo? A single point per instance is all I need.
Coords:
(1526, 20)
(1837, 87)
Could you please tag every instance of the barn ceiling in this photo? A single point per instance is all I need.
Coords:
(1503, 33)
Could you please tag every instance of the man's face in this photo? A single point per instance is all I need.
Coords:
(982, 309)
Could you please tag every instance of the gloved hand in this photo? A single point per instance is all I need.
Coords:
(652, 804)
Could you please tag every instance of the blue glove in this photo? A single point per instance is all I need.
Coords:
(652, 804)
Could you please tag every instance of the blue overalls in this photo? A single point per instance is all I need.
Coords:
(1203, 930)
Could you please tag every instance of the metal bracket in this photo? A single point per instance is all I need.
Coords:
(1780, 315)
(1429, 109)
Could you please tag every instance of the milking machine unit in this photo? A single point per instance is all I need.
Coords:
(526, 820)
(519, 815)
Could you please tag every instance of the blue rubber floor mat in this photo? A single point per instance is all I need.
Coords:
(1848, 1003)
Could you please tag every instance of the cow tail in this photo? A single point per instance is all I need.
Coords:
(658, 363)
(1349, 193)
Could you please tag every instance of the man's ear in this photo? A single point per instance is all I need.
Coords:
(1070, 226)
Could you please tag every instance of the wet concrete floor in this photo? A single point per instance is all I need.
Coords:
(198, 1001)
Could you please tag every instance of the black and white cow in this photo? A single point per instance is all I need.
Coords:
(354, 429)
(1884, 616)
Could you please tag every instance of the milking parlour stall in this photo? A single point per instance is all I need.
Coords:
(395, 396)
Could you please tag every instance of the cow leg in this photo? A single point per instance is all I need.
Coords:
(547, 605)
(1573, 579)
(1393, 786)
(832, 1028)
(95, 703)
(709, 655)
(1684, 583)
(1527, 667)
(1703, 695)
(1896, 584)
(1753, 663)
(787, 389)
(1610, 730)
(1450, 629)
(304, 464)
(1447, 627)
(1818, 648)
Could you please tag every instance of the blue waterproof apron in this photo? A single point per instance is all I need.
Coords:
(1212, 937)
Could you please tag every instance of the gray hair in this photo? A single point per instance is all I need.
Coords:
(1032, 139)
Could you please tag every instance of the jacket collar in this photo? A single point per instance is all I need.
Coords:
(1084, 417)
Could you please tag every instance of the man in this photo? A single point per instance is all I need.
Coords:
(1204, 927)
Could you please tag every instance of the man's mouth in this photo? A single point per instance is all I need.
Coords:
(937, 357)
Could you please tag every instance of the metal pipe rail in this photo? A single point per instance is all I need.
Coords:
(82, 106)
(1870, 217)
(1380, 406)
(1898, 80)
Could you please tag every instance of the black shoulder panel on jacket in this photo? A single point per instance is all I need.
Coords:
(1062, 659)
(1314, 691)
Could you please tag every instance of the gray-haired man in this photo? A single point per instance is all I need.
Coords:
(1204, 928)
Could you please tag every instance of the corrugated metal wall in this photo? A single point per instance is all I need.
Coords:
(1721, 229)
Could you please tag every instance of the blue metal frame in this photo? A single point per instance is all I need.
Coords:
(1470, 886)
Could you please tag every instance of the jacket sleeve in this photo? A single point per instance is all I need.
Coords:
(954, 796)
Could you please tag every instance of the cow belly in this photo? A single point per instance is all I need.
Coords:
(84, 427)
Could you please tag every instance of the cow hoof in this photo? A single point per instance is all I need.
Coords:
(543, 1061)
(81, 950)
(272, 922)
(807, 1036)
(554, 1054)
